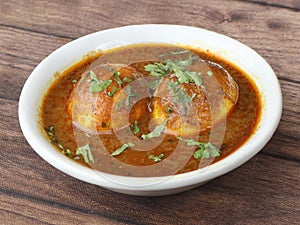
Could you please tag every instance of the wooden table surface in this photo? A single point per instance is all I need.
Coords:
(265, 190)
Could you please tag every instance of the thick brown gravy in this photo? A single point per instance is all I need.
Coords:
(240, 123)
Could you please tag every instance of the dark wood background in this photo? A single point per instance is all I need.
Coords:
(265, 190)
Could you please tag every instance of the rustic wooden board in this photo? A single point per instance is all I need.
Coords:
(265, 190)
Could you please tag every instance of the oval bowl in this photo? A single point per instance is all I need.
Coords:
(233, 51)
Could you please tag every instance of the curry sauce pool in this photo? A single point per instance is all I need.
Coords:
(152, 121)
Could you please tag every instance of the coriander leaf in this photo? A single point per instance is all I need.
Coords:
(204, 151)
(178, 52)
(129, 96)
(86, 153)
(111, 93)
(68, 153)
(134, 127)
(210, 73)
(122, 149)
(157, 69)
(185, 63)
(74, 81)
(190, 142)
(179, 67)
(169, 110)
(201, 153)
(207, 151)
(195, 77)
(193, 96)
(110, 69)
(154, 84)
(127, 79)
(50, 130)
(180, 96)
(213, 150)
(156, 132)
(99, 86)
(183, 75)
(179, 72)
(117, 78)
(156, 158)
(93, 76)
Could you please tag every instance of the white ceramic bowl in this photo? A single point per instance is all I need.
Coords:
(234, 51)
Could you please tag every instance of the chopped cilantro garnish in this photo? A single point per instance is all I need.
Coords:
(156, 132)
(194, 77)
(86, 153)
(134, 127)
(68, 153)
(210, 73)
(93, 76)
(169, 110)
(180, 96)
(205, 149)
(178, 67)
(156, 158)
(190, 142)
(110, 69)
(154, 84)
(122, 149)
(127, 99)
(127, 79)
(178, 52)
(111, 93)
(97, 85)
(51, 132)
(60, 146)
(157, 69)
(129, 96)
(117, 78)
(193, 96)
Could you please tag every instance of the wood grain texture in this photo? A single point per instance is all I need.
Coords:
(290, 4)
(265, 190)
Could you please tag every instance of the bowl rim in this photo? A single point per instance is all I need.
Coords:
(36, 139)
